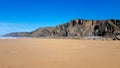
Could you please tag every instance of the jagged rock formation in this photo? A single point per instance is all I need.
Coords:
(77, 29)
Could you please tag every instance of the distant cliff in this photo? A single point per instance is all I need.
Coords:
(78, 28)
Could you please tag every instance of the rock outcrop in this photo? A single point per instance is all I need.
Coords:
(78, 28)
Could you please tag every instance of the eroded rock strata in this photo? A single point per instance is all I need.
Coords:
(78, 28)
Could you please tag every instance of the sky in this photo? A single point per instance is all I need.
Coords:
(27, 15)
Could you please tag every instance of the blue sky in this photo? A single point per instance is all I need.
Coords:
(27, 15)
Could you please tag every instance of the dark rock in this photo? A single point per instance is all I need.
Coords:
(77, 28)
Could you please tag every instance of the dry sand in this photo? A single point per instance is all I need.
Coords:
(59, 53)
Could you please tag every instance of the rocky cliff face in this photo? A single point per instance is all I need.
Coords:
(77, 29)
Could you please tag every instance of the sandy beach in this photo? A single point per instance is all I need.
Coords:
(59, 53)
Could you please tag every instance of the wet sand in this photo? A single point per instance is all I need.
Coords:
(59, 53)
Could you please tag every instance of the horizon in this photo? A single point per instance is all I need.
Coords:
(27, 15)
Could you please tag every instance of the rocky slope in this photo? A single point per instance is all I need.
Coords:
(78, 28)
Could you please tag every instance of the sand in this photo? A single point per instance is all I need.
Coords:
(59, 53)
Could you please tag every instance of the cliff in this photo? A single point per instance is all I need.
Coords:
(78, 28)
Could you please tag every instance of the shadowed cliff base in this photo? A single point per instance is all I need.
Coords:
(79, 29)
